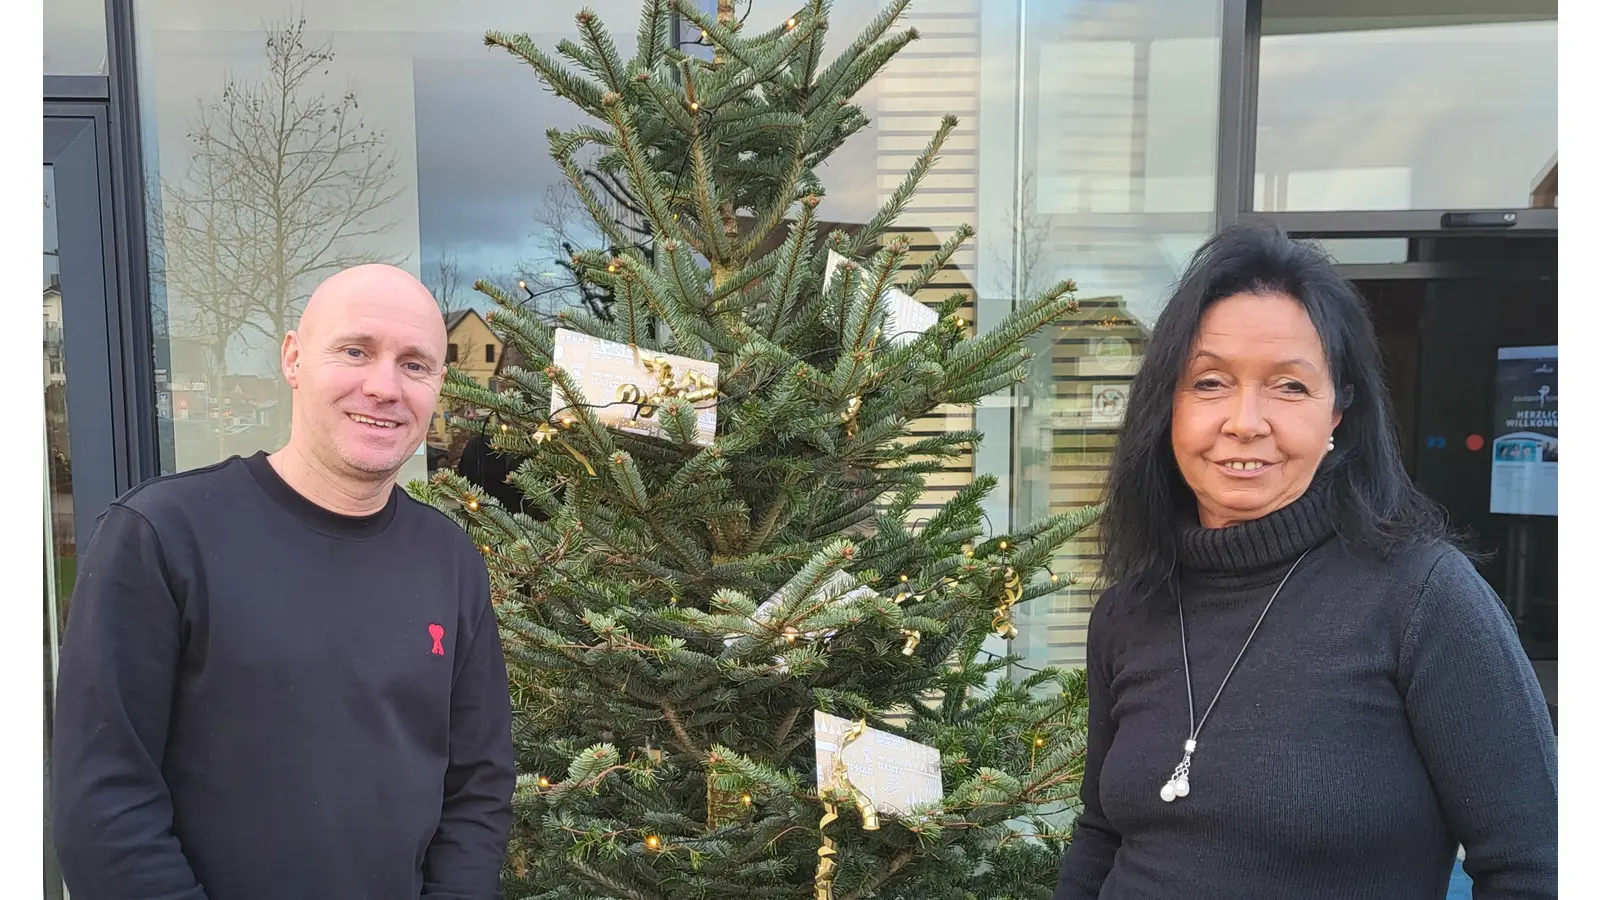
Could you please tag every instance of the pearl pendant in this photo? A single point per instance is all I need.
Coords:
(1178, 785)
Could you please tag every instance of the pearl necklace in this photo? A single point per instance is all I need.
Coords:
(1178, 785)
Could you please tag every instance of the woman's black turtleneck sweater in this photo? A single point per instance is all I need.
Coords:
(1384, 714)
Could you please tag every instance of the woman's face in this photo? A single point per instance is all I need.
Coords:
(1254, 408)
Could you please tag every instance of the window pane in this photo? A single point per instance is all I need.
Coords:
(74, 37)
(1407, 105)
(1116, 190)
(430, 153)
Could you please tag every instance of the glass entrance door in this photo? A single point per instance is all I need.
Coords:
(79, 338)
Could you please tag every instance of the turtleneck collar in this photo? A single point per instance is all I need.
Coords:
(1272, 541)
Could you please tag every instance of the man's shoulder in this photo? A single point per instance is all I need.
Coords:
(177, 495)
(435, 526)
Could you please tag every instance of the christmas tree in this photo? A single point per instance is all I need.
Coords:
(718, 542)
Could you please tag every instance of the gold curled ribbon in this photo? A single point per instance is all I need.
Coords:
(1002, 613)
(851, 409)
(913, 638)
(839, 780)
(546, 431)
(696, 387)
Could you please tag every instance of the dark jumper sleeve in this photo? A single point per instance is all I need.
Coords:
(119, 658)
(1483, 729)
(464, 859)
(1094, 842)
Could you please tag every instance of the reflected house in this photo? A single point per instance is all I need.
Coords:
(473, 350)
(54, 364)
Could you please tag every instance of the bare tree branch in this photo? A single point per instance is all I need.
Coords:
(286, 185)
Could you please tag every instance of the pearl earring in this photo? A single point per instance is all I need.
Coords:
(1330, 443)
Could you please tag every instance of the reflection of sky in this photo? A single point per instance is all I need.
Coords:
(483, 164)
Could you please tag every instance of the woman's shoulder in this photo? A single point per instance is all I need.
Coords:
(1406, 566)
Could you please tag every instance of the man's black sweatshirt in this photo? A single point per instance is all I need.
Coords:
(261, 699)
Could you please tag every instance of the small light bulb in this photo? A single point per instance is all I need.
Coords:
(522, 284)
(960, 322)
(544, 782)
(1038, 741)
(1054, 578)
(904, 578)
(566, 422)
(1004, 545)
(504, 428)
(611, 268)
(653, 842)
(485, 548)
(703, 35)
(472, 505)
(747, 800)
(791, 23)
(694, 105)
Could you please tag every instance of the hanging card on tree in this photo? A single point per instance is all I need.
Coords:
(894, 773)
(908, 317)
(626, 385)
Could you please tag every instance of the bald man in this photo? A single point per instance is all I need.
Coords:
(282, 676)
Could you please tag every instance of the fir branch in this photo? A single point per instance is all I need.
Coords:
(873, 230)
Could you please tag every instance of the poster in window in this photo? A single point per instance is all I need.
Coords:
(1522, 479)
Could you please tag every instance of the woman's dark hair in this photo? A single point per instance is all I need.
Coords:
(1379, 509)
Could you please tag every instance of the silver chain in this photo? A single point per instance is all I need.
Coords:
(1181, 773)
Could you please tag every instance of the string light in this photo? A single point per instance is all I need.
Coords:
(544, 782)
(1038, 741)
(472, 505)
(653, 842)
(790, 24)
(1004, 545)
(523, 285)
(694, 105)
(747, 800)
(904, 578)
(1054, 578)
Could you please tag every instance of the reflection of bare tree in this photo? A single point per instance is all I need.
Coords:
(446, 285)
(560, 216)
(1030, 239)
(284, 182)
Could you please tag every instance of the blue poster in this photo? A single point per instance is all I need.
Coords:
(1523, 478)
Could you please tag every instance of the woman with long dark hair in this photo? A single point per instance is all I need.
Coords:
(1298, 686)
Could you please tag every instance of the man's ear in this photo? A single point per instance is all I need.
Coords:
(291, 354)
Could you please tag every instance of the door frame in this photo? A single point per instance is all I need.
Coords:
(95, 103)
(76, 148)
